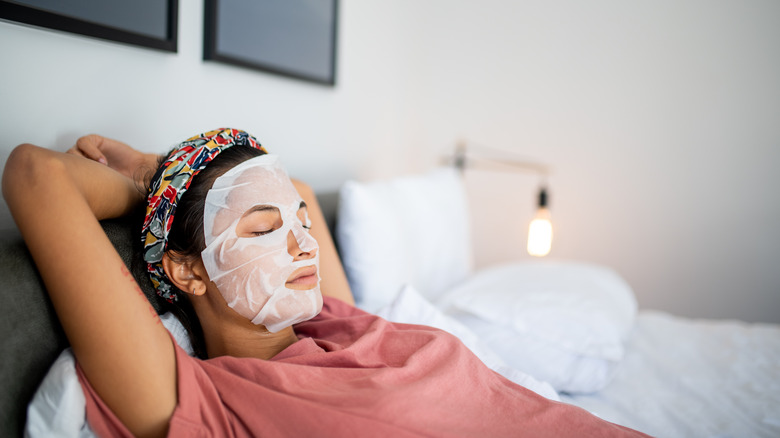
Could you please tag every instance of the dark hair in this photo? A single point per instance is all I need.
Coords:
(186, 237)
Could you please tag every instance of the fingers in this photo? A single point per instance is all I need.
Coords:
(88, 146)
(75, 151)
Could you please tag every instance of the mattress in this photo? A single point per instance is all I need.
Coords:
(684, 377)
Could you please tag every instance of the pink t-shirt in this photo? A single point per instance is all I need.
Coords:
(355, 374)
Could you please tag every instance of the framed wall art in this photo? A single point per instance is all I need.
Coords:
(146, 23)
(294, 38)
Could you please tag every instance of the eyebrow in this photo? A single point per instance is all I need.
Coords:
(258, 208)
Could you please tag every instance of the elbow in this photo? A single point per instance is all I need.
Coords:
(28, 166)
(18, 162)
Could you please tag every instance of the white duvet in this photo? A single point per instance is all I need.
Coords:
(694, 378)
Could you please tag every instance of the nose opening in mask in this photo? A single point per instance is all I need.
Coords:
(305, 242)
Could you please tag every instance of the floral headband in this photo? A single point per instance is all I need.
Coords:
(172, 179)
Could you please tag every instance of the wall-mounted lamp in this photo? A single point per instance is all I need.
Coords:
(540, 232)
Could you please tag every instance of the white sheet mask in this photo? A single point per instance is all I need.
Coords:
(251, 273)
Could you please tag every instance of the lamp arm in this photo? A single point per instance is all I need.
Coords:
(477, 156)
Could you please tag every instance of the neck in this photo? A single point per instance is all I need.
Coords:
(247, 341)
(226, 333)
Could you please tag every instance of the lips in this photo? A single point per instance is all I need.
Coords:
(303, 278)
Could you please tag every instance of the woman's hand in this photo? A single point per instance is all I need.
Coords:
(119, 156)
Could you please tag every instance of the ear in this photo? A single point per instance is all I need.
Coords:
(189, 275)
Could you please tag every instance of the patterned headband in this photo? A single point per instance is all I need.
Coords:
(172, 179)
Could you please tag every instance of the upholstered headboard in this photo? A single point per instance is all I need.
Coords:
(31, 336)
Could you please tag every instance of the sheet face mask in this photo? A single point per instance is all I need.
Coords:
(251, 272)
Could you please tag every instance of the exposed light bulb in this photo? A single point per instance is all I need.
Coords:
(540, 231)
(540, 234)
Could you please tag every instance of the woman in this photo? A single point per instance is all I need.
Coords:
(226, 233)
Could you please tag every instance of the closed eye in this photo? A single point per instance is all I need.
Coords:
(259, 221)
(261, 233)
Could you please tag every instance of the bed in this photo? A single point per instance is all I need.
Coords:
(571, 326)
(567, 330)
(684, 377)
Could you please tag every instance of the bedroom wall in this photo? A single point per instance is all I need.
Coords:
(658, 119)
(57, 86)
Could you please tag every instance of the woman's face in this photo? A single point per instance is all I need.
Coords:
(259, 252)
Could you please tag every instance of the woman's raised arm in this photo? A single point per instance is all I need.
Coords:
(127, 355)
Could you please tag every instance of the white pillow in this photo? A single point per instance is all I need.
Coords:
(565, 323)
(58, 407)
(409, 307)
(408, 230)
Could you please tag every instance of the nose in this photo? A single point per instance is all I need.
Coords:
(303, 240)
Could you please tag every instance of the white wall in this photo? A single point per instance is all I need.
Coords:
(57, 86)
(660, 120)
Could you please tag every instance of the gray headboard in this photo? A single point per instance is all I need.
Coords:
(31, 337)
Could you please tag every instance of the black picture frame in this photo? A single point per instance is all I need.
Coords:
(229, 16)
(29, 14)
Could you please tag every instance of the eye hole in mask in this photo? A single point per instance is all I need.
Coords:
(262, 220)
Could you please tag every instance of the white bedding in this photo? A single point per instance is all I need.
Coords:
(562, 322)
(694, 378)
